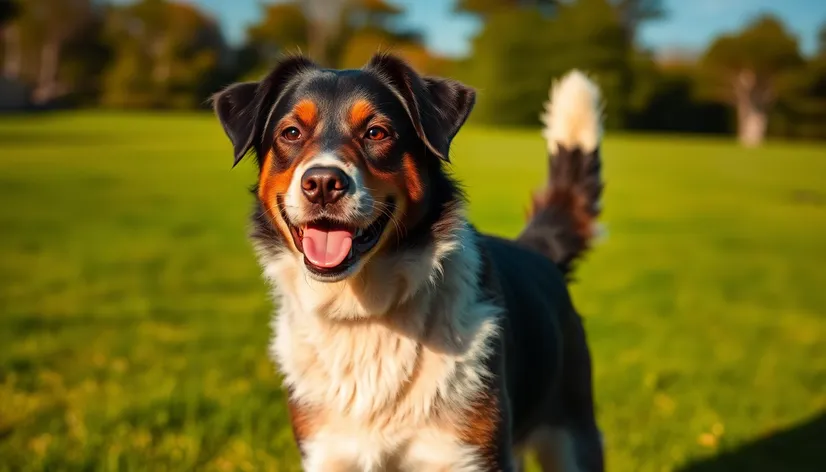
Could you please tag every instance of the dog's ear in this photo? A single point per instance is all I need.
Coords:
(241, 108)
(235, 110)
(437, 107)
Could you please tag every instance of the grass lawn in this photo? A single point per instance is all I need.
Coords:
(134, 323)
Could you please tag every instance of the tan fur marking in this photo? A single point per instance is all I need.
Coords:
(575, 204)
(583, 220)
(304, 419)
(270, 185)
(480, 427)
(360, 113)
(413, 180)
(306, 112)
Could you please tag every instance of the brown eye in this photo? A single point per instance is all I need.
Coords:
(291, 134)
(376, 133)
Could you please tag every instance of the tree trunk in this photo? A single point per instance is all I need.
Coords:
(324, 18)
(752, 122)
(47, 86)
(161, 69)
(12, 62)
(751, 99)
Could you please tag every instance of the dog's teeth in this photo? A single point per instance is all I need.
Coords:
(359, 232)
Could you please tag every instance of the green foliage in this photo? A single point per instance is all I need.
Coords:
(520, 51)
(635, 12)
(165, 55)
(282, 28)
(763, 48)
(84, 56)
(169, 54)
(42, 32)
(752, 70)
(591, 37)
(511, 82)
(360, 29)
(664, 101)
(801, 109)
(135, 322)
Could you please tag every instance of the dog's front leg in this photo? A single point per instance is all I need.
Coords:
(324, 454)
(436, 451)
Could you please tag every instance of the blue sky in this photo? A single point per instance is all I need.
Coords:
(690, 24)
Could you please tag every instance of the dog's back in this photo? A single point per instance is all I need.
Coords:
(548, 365)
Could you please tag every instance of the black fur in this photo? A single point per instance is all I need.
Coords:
(437, 107)
(541, 368)
(564, 212)
(242, 108)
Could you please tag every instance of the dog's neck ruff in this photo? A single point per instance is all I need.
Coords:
(407, 336)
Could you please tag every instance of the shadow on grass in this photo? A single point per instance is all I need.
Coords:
(801, 448)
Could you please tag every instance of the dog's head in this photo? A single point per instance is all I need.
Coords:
(350, 160)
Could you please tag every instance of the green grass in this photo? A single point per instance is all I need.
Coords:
(134, 323)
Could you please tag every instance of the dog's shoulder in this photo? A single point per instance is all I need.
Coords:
(536, 306)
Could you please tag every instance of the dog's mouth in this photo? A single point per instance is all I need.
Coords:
(332, 248)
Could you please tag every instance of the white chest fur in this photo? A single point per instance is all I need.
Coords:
(388, 362)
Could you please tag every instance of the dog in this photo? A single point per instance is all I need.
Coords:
(408, 339)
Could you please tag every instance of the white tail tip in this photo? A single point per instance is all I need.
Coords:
(573, 115)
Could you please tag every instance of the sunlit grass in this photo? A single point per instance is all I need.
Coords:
(134, 321)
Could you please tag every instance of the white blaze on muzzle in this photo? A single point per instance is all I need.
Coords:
(326, 246)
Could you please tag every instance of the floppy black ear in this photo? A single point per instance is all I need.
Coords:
(453, 101)
(437, 107)
(242, 108)
(235, 110)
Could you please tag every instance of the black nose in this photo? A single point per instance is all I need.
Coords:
(324, 185)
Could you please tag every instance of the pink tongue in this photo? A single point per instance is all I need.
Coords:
(326, 248)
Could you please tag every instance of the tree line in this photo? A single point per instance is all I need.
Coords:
(168, 54)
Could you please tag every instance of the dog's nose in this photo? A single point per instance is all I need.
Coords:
(324, 185)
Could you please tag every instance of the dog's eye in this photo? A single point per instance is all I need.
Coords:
(291, 134)
(376, 133)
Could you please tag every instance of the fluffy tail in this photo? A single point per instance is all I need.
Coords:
(562, 223)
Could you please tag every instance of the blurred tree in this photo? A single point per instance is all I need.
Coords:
(670, 106)
(521, 50)
(372, 25)
(167, 55)
(36, 39)
(800, 111)
(590, 35)
(506, 69)
(749, 70)
(9, 9)
(325, 18)
(84, 57)
(283, 28)
(486, 8)
(634, 13)
(338, 33)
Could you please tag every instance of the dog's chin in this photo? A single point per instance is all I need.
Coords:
(333, 249)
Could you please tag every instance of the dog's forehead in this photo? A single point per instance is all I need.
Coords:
(334, 91)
